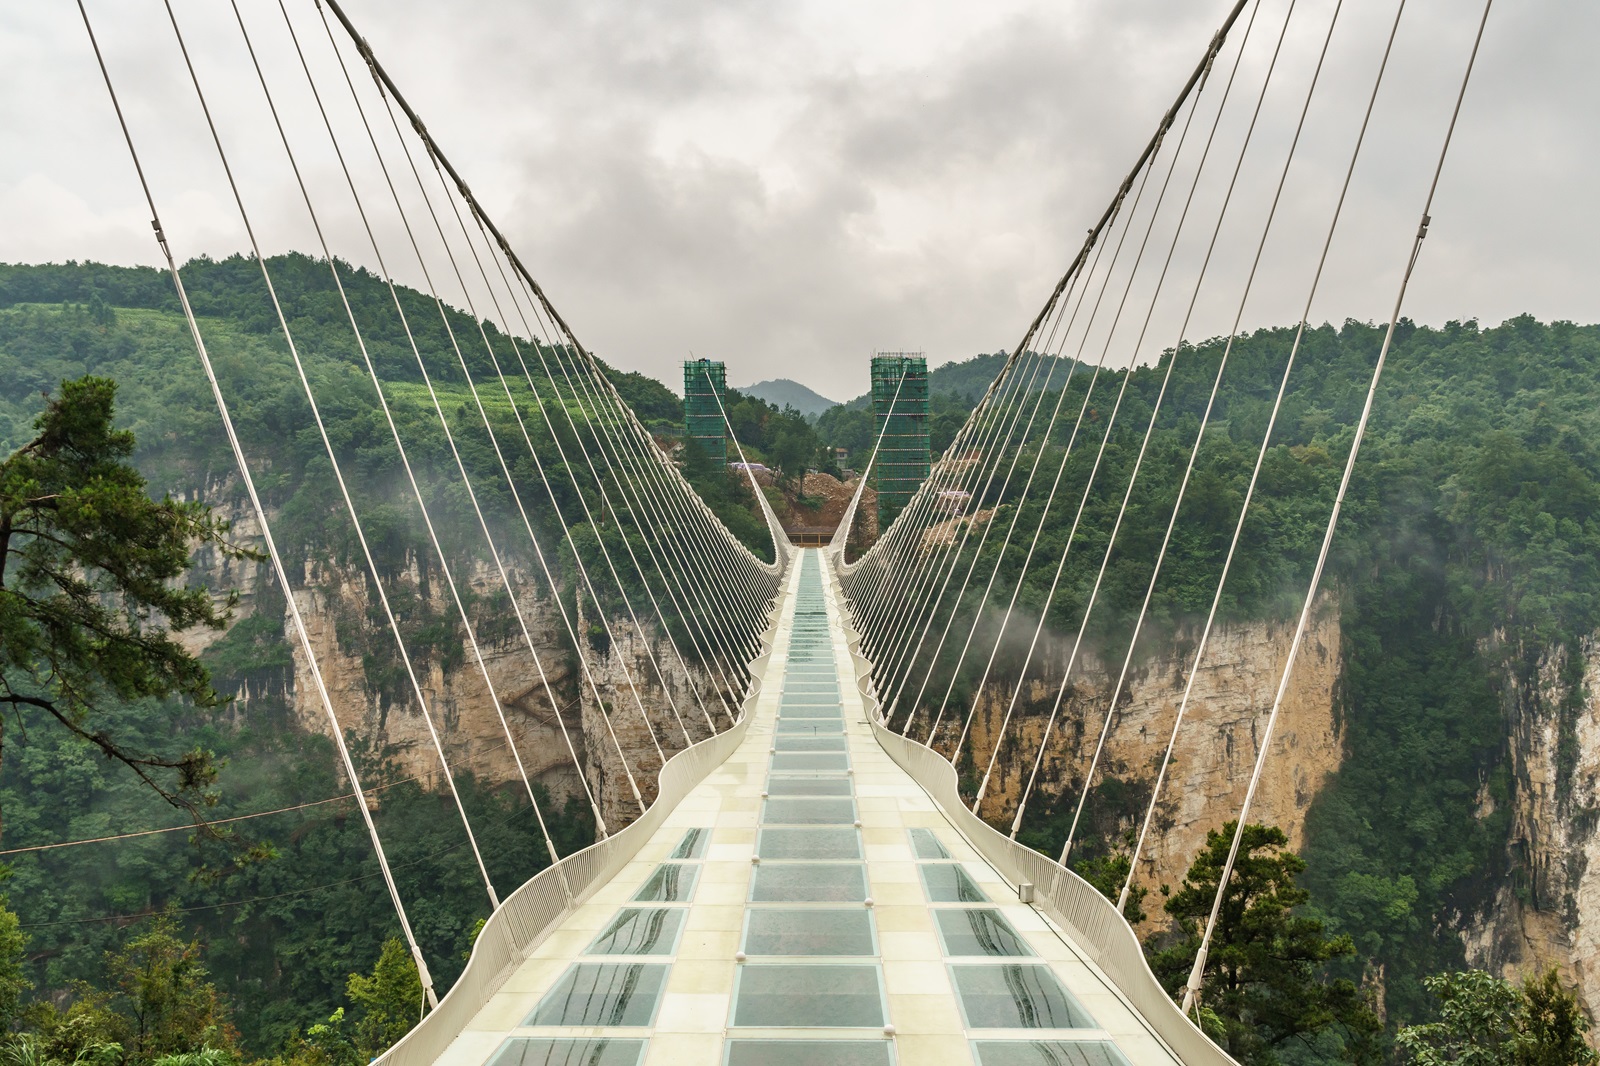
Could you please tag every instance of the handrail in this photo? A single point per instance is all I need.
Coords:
(1096, 927)
(524, 917)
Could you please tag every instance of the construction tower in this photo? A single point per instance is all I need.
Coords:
(900, 402)
(705, 384)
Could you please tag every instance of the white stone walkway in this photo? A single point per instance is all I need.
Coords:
(807, 904)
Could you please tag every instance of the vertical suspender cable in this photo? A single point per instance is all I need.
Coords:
(599, 484)
(394, 430)
(680, 588)
(1255, 474)
(1077, 645)
(1196, 974)
(561, 451)
(266, 529)
(1194, 452)
(1044, 515)
(903, 612)
(333, 459)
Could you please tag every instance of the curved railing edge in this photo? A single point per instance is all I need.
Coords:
(524, 917)
(1098, 929)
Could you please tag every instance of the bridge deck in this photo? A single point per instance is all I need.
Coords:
(871, 931)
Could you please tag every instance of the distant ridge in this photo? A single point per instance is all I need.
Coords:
(782, 392)
(968, 378)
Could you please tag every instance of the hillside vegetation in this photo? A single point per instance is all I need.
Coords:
(1469, 551)
(1468, 555)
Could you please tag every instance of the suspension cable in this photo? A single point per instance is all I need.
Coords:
(1194, 452)
(1044, 740)
(600, 484)
(333, 459)
(1196, 974)
(248, 479)
(686, 595)
(1067, 453)
(1249, 495)
(902, 613)
(394, 430)
(561, 452)
(1071, 442)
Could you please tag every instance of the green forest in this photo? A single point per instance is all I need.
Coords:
(1466, 562)
(281, 935)
(1468, 558)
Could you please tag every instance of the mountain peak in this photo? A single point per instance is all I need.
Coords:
(783, 392)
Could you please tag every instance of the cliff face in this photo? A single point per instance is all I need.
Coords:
(547, 704)
(1548, 911)
(1215, 751)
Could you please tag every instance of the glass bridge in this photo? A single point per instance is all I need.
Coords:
(807, 903)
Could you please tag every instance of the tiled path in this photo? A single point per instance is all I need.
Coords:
(806, 905)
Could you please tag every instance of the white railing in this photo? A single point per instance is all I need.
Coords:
(1096, 927)
(524, 917)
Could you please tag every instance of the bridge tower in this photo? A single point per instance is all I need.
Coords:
(900, 404)
(705, 384)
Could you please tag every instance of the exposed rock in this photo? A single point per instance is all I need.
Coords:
(1548, 912)
(1216, 748)
(547, 706)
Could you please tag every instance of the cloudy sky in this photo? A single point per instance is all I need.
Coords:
(789, 186)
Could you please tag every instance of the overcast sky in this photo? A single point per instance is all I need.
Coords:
(789, 186)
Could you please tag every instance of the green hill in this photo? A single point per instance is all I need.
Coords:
(782, 393)
(1467, 569)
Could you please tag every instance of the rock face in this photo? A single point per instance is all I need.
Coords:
(1215, 750)
(545, 700)
(1548, 911)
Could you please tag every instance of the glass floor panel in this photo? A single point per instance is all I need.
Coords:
(809, 883)
(978, 931)
(1048, 1053)
(807, 760)
(543, 1051)
(603, 993)
(810, 1052)
(808, 786)
(949, 883)
(808, 812)
(1016, 996)
(808, 843)
(640, 931)
(671, 882)
(810, 710)
(811, 726)
(808, 931)
(789, 742)
(693, 845)
(831, 997)
(927, 845)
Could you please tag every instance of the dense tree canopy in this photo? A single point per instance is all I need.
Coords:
(89, 596)
(1264, 977)
(1467, 558)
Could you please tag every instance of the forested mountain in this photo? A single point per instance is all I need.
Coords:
(1466, 584)
(282, 936)
(1457, 826)
(781, 393)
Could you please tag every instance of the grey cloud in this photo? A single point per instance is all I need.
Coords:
(786, 187)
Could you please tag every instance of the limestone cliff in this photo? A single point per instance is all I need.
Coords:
(1216, 747)
(549, 708)
(1548, 911)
